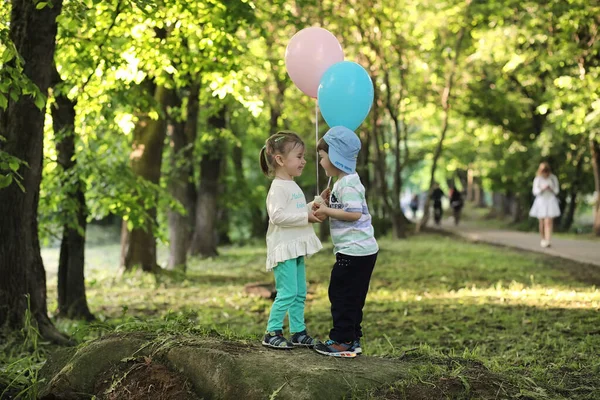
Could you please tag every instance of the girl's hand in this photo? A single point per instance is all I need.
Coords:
(325, 195)
(313, 219)
(322, 212)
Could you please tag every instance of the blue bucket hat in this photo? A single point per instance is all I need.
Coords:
(344, 146)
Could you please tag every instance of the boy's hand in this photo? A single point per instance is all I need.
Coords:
(313, 219)
(322, 212)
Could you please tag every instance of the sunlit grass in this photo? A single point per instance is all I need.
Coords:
(516, 312)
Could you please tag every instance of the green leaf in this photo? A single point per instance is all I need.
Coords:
(7, 55)
(14, 165)
(14, 94)
(3, 102)
(41, 5)
(40, 101)
(20, 185)
(5, 181)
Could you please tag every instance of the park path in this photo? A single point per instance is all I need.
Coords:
(580, 250)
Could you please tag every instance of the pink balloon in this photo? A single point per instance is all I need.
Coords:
(308, 55)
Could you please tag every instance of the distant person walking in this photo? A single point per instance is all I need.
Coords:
(436, 196)
(414, 205)
(545, 207)
(456, 202)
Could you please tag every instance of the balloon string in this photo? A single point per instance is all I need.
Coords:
(316, 143)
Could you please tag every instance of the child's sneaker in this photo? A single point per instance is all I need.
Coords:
(356, 347)
(276, 340)
(335, 349)
(303, 339)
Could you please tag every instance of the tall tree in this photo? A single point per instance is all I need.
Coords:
(446, 98)
(204, 241)
(33, 32)
(72, 302)
(595, 146)
(182, 137)
(138, 244)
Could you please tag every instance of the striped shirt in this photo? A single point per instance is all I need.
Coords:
(352, 238)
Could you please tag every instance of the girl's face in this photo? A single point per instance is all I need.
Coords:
(292, 164)
(330, 170)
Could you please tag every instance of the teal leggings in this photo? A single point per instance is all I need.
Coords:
(290, 282)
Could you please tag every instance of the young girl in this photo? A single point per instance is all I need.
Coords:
(545, 207)
(290, 238)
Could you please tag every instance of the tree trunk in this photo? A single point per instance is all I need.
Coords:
(595, 148)
(499, 202)
(463, 179)
(470, 189)
(182, 138)
(446, 97)
(204, 241)
(520, 210)
(33, 33)
(569, 216)
(138, 246)
(479, 194)
(72, 302)
(380, 164)
(399, 220)
(223, 211)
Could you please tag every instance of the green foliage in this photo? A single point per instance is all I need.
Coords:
(21, 357)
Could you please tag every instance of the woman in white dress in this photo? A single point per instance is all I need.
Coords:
(545, 207)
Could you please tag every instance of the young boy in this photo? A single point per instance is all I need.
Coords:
(355, 246)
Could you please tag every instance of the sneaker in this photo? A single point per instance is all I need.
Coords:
(335, 349)
(276, 340)
(543, 243)
(303, 339)
(356, 347)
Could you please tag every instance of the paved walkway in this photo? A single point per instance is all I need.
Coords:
(584, 251)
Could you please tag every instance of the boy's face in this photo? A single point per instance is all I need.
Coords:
(330, 170)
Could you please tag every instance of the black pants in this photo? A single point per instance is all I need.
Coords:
(348, 289)
(437, 213)
(456, 212)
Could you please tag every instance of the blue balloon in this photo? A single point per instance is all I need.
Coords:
(345, 95)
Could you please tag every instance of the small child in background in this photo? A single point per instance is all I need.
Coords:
(290, 238)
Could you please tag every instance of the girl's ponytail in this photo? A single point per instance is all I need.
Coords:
(264, 163)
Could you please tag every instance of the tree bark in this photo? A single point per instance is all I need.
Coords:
(182, 138)
(399, 220)
(204, 241)
(33, 33)
(72, 302)
(470, 190)
(446, 97)
(479, 194)
(138, 246)
(569, 215)
(595, 149)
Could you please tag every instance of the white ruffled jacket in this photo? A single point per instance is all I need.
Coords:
(290, 235)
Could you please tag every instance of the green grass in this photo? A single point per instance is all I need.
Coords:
(532, 318)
